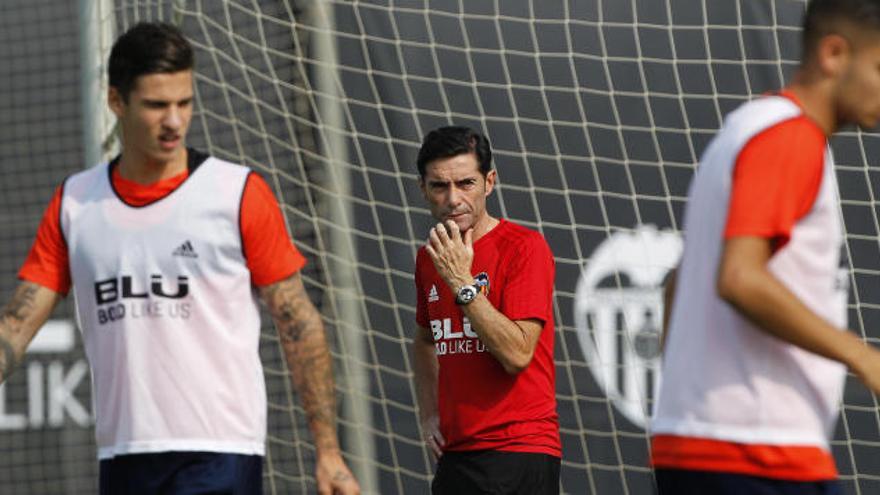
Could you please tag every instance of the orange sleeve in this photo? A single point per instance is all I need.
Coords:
(270, 254)
(776, 180)
(47, 261)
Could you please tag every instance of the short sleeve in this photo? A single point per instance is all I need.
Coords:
(528, 286)
(271, 255)
(776, 180)
(421, 300)
(47, 262)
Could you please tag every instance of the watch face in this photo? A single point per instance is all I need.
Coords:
(466, 294)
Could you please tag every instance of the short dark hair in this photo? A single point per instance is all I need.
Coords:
(446, 142)
(823, 17)
(147, 48)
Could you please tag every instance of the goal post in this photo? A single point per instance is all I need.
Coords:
(352, 371)
(97, 23)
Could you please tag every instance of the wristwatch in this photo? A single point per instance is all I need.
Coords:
(466, 294)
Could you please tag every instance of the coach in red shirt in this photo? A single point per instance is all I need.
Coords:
(483, 356)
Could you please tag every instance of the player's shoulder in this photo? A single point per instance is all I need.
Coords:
(219, 165)
(774, 105)
(762, 113)
(771, 121)
(519, 237)
(810, 139)
(512, 231)
(86, 180)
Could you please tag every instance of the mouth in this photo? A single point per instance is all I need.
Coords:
(169, 142)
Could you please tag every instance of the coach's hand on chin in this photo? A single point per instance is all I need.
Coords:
(452, 252)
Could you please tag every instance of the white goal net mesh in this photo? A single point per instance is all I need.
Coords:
(597, 111)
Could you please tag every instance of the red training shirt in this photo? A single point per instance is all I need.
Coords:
(481, 405)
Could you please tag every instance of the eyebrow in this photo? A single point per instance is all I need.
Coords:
(441, 182)
(160, 101)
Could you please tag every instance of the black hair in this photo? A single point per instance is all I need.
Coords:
(446, 142)
(147, 48)
(823, 17)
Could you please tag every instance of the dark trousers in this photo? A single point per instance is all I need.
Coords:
(687, 482)
(497, 473)
(182, 473)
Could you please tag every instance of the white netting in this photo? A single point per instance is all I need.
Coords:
(597, 111)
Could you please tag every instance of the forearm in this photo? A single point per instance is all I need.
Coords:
(508, 341)
(304, 343)
(765, 301)
(22, 316)
(425, 374)
(312, 373)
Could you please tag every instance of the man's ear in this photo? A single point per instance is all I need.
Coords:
(491, 177)
(115, 101)
(833, 54)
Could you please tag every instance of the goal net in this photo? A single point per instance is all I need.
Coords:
(597, 112)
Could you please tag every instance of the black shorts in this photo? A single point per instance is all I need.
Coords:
(687, 482)
(495, 472)
(182, 473)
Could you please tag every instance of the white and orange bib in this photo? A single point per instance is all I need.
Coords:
(733, 397)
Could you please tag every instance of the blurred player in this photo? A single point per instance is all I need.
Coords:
(166, 249)
(483, 355)
(757, 351)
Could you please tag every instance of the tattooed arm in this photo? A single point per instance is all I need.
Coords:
(22, 316)
(305, 347)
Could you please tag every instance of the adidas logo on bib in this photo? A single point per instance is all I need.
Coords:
(186, 250)
(432, 294)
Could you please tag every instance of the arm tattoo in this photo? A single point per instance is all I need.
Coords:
(341, 476)
(305, 348)
(19, 309)
(7, 359)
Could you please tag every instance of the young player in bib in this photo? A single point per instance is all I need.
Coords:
(167, 252)
(757, 348)
(483, 355)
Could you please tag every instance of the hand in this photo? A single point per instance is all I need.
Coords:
(334, 477)
(452, 253)
(867, 368)
(433, 438)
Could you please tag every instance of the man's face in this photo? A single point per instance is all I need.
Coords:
(156, 117)
(858, 90)
(456, 190)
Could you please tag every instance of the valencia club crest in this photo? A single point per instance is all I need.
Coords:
(482, 283)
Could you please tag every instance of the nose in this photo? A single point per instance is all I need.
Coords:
(455, 196)
(173, 118)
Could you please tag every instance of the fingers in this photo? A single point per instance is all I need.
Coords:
(431, 252)
(454, 231)
(348, 488)
(439, 437)
(436, 442)
(442, 233)
(434, 446)
(438, 238)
